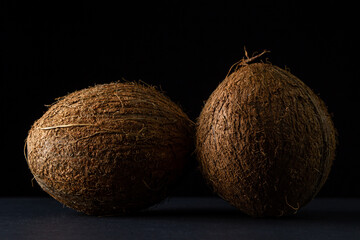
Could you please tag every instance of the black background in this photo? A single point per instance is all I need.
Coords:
(50, 49)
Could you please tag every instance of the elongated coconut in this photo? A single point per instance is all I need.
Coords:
(265, 141)
(110, 149)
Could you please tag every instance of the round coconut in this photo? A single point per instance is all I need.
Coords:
(110, 149)
(265, 141)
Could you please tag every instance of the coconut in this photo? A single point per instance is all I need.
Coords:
(265, 142)
(110, 149)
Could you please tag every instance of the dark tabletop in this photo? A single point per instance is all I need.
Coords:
(178, 218)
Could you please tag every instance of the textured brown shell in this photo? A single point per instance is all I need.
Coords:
(265, 141)
(110, 149)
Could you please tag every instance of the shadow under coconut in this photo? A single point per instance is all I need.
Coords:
(318, 211)
(208, 213)
(180, 218)
(183, 208)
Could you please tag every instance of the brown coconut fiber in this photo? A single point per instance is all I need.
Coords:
(110, 149)
(265, 141)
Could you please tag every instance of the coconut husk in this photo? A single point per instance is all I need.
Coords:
(265, 142)
(110, 149)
